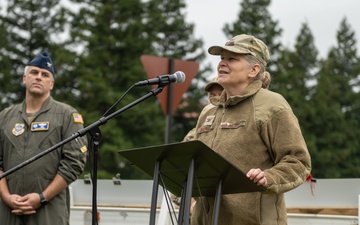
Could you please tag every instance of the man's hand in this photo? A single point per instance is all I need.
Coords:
(26, 205)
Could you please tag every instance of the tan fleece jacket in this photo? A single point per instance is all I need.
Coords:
(256, 129)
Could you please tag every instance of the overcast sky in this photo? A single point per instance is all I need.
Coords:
(322, 16)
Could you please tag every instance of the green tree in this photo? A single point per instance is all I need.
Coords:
(296, 79)
(29, 27)
(113, 35)
(96, 48)
(5, 72)
(336, 126)
(173, 38)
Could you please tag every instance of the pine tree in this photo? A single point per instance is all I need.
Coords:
(336, 126)
(30, 27)
(112, 36)
(6, 89)
(173, 38)
(97, 57)
(296, 79)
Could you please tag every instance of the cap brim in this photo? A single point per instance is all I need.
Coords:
(210, 85)
(216, 50)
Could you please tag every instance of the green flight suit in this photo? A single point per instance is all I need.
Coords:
(21, 140)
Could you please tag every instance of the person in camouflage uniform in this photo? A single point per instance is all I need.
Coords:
(256, 130)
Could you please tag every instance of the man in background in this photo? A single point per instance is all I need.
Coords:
(38, 193)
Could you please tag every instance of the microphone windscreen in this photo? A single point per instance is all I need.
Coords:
(180, 77)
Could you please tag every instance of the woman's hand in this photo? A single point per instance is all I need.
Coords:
(258, 176)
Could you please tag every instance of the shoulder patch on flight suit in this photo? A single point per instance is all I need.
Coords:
(77, 118)
(83, 149)
(40, 126)
(18, 129)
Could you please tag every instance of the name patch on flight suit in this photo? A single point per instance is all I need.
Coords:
(40, 126)
(18, 129)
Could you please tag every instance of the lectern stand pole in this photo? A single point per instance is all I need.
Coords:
(154, 193)
(217, 203)
(189, 186)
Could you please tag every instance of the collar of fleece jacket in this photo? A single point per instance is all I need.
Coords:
(233, 100)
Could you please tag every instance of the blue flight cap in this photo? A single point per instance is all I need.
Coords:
(43, 61)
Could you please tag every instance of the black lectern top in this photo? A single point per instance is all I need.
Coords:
(175, 159)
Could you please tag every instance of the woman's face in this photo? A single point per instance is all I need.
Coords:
(235, 73)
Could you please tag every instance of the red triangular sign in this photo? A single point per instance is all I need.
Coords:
(155, 66)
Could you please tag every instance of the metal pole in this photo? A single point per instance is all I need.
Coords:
(169, 104)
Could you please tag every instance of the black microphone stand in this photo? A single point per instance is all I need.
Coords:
(95, 134)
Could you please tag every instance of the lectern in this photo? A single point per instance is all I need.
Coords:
(189, 169)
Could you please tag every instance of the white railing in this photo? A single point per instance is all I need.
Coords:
(316, 219)
(129, 203)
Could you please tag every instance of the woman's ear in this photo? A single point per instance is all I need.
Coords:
(255, 70)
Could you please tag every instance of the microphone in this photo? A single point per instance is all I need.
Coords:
(177, 77)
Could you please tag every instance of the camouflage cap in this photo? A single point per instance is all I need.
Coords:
(43, 61)
(213, 82)
(244, 44)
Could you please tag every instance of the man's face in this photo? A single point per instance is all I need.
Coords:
(38, 81)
